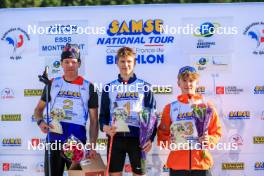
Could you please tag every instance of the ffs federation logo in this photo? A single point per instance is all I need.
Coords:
(258, 36)
(16, 43)
(255, 32)
(16, 38)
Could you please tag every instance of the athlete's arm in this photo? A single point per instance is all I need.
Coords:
(38, 114)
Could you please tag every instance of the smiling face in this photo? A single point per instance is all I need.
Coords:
(187, 84)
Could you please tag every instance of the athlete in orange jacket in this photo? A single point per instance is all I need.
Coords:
(178, 126)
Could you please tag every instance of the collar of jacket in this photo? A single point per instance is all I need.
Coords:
(184, 98)
(131, 79)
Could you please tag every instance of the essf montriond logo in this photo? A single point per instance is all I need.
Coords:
(16, 39)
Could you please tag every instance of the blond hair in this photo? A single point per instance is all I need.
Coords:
(126, 51)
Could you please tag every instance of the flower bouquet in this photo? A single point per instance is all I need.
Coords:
(73, 150)
(202, 114)
(148, 121)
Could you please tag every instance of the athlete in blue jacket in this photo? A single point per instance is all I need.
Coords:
(74, 98)
(127, 96)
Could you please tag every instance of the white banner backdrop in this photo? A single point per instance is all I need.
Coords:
(230, 65)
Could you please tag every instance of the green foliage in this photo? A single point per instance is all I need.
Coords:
(54, 3)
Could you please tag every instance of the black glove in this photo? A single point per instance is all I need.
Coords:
(44, 78)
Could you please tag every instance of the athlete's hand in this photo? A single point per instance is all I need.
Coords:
(147, 147)
(44, 127)
(204, 140)
(111, 131)
(92, 154)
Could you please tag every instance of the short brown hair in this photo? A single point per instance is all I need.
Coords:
(188, 72)
(126, 51)
(191, 76)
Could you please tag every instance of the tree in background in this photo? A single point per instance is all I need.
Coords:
(54, 3)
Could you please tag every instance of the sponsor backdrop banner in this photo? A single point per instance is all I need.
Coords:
(225, 42)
